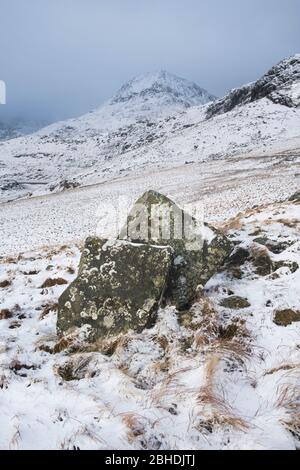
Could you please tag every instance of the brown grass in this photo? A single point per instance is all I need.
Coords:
(134, 424)
(53, 282)
(75, 369)
(234, 223)
(291, 223)
(51, 307)
(284, 367)
(222, 413)
(289, 399)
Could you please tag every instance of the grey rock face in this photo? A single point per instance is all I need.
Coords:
(118, 288)
(278, 85)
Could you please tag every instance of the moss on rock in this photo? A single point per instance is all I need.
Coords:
(235, 302)
(286, 317)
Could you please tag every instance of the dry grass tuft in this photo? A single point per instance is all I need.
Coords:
(75, 369)
(135, 425)
(50, 307)
(235, 223)
(289, 400)
(16, 438)
(291, 223)
(284, 367)
(221, 412)
(53, 282)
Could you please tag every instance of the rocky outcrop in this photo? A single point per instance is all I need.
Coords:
(281, 85)
(161, 252)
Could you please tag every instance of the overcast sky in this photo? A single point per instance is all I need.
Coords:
(61, 58)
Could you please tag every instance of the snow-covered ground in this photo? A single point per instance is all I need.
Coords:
(216, 378)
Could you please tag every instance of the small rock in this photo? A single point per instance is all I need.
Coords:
(292, 265)
(235, 302)
(236, 260)
(286, 317)
(274, 247)
(5, 283)
(295, 197)
(238, 257)
(5, 314)
(261, 261)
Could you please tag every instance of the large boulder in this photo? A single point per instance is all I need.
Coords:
(118, 288)
(199, 250)
(161, 253)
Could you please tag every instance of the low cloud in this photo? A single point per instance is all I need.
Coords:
(61, 58)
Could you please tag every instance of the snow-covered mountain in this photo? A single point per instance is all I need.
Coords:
(149, 96)
(170, 91)
(156, 122)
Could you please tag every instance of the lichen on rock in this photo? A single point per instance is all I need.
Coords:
(118, 288)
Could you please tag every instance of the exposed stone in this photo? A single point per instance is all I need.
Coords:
(199, 249)
(291, 265)
(118, 288)
(262, 262)
(161, 253)
(295, 197)
(279, 85)
(236, 260)
(286, 317)
(5, 314)
(273, 246)
(235, 302)
(5, 283)
(238, 257)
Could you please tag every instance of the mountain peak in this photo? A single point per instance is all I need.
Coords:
(162, 84)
